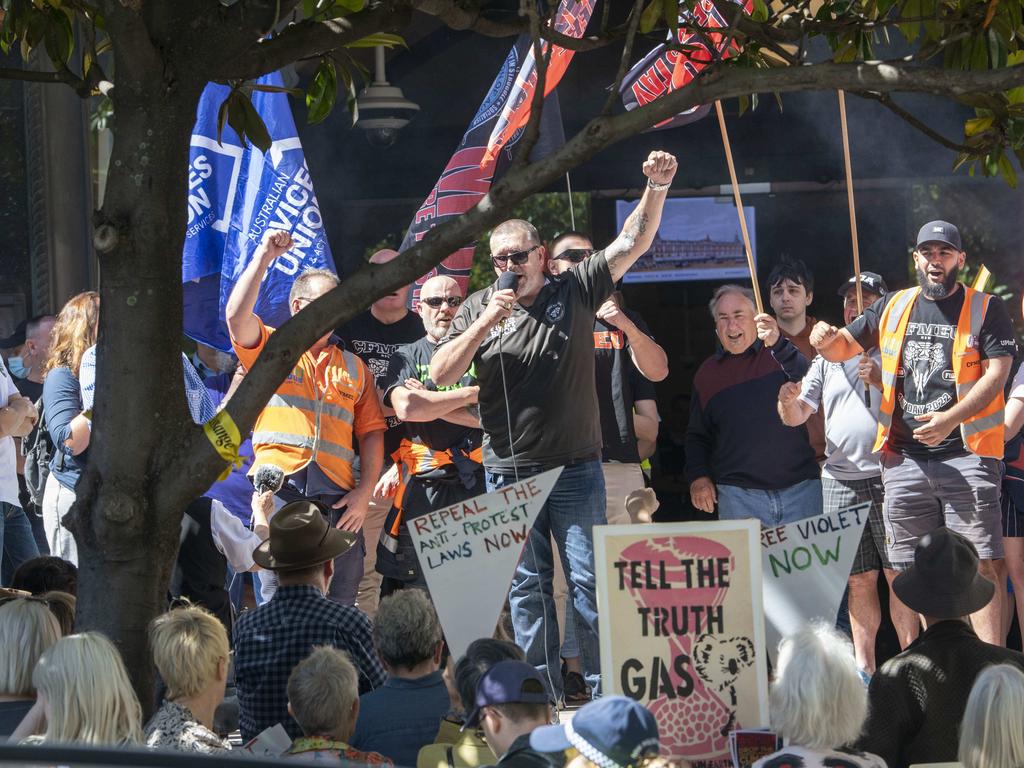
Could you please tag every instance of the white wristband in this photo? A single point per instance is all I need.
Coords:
(658, 187)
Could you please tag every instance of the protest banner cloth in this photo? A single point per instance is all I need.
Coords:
(236, 194)
(470, 172)
(468, 553)
(682, 630)
(806, 565)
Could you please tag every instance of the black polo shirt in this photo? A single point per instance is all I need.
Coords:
(548, 355)
(619, 386)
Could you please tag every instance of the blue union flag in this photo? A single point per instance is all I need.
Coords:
(236, 193)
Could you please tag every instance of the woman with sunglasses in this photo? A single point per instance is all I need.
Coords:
(533, 350)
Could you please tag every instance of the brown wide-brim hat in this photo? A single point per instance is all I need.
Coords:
(301, 537)
(944, 582)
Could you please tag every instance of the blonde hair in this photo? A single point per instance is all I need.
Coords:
(27, 628)
(188, 646)
(321, 691)
(62, 605)
(74, 332)
(86, 686)
(817, 699)
(991, 735)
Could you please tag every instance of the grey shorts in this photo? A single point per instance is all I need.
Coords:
(843, 494)
(961, 493)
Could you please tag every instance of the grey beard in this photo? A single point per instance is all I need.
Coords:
(933, 291)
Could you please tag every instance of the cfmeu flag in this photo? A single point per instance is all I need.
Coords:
(237, 193)
(662, 70)
(465, 181)
(571, 19)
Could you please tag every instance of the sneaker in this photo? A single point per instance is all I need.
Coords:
(575, 688)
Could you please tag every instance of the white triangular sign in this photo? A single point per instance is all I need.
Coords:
(805, 567)
(468, 553)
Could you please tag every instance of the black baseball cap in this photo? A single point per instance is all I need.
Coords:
(17, 338)
(869, 281)
(508, 682)
(939, 232)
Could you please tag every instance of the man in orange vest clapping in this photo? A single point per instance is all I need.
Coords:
(309, 427)
(946, 353)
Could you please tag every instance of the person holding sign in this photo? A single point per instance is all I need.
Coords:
(439, 458)
(539, 337)
(851, 475)
(946, 354)
(309, 428)
(733, 418)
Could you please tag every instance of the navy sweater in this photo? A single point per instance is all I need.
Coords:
(735, 435)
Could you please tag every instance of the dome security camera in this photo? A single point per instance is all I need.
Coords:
(383, 109)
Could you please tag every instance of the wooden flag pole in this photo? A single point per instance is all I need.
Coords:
(739, 207)
(853, 222)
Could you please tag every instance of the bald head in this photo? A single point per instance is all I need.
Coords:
(383, 256)
(521, 231)
(445, 292)
(393, 307)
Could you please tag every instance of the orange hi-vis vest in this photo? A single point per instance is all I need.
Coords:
(982, 432)
(311, 416)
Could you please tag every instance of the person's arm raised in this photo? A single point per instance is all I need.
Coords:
(834, 344)
(238, 312)
(642, 224)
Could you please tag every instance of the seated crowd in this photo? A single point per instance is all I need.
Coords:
(948, 696)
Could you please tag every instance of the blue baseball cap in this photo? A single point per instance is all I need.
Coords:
(613, 732)
(508, 682)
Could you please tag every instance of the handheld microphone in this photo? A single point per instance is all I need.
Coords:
(507, 280)
(268, 478)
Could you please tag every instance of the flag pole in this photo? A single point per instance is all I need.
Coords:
(853, 223)
(739, 207)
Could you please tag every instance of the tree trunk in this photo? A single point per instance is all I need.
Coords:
(127, 516)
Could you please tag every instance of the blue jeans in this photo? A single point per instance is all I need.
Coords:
(17, 544)
(772, 508)
(575, 506)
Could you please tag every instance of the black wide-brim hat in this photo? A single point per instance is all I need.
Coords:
(944, 582)
(301, 537)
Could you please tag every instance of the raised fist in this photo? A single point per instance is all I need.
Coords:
(275, 243)
(660, 167)
(822, 335)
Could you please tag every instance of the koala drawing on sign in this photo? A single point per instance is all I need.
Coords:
(719, 661)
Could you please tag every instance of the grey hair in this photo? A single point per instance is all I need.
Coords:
(406, 631)
(517, 227)
(817, 700)
(321, 691)
(301, 284)
(990, 733)
(730, 288)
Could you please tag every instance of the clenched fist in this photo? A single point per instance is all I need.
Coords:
(822, 335)
(276, 242)
(660, 167)
(789, 392)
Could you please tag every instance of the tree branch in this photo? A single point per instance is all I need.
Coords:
(287, 344)
(627, 53)
(30, 75)
(307, 39)
(886, 101)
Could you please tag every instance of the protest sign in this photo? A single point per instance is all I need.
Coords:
(682, 630)
(806, 565)
(469, 551)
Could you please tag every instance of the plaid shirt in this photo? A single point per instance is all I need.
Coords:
(272, 639)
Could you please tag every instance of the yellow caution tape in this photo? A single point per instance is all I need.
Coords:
(223, 434)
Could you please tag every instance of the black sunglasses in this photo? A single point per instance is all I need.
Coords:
(434, 302)
(575, 255)
(519, 257)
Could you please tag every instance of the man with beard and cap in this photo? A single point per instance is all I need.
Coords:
(916, 700)
(374, 335)
(438, 461)
(851, 475)
(946, 354)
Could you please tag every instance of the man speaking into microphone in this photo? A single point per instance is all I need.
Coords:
(532, 345)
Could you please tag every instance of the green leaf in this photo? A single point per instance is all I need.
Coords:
(760, 12)
(236, 114)
(322, 91)
(670, 11)
(381, 38)
(744, 102)
(650, 16)
(255, 128)
(1007, 171)
(977, 125)
(344, 8)
(59, 38)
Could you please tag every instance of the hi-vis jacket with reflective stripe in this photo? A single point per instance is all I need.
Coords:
(315, 412)
(983, 432)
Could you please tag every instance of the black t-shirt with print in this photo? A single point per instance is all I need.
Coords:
(924, 379)
(617, 379)
(548, 354)
(412, 361)
(375, 342)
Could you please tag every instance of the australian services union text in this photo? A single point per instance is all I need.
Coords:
(290, 205)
